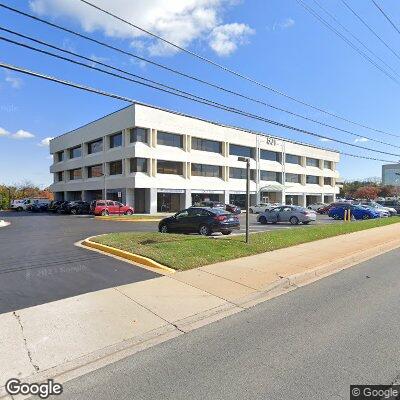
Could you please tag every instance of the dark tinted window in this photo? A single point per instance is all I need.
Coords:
(169, 139)
(237, 173)
(116, 167)
(312, 179)
(206, 145)
(327, 181)
(328, 164)
(242, 151)
(138, 135)
(75, 152)
(138, 164)
(75, 174)
(60, 176)
(293, 178)
(206, 170)
(169, 167)
(292, 159)
(116, 140)
(270, 155)
(94, 171)
(95, 147)
(270, 176)
(312, 162)
(59, 156)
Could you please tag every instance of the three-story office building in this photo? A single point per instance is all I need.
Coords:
(158, 160)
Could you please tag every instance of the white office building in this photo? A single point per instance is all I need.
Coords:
(158, 160)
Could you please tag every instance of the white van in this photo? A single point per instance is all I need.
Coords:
(23, 204)
(17, 204)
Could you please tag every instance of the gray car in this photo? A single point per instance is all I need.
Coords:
(292, 214)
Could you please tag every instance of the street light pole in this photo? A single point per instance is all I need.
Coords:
(247, 160)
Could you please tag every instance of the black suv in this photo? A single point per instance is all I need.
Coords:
(75, 207)
(204, 221)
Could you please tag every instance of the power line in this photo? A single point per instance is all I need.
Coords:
(371, 30)
(160, 84)
(187, 75)
(386, 16)
(212, 104)
(355, 37)
(346, 40)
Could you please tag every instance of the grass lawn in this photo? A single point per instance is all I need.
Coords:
(182, 252)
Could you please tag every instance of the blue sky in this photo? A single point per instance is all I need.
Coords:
(276, 42)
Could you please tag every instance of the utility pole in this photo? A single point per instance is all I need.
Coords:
(247, 161)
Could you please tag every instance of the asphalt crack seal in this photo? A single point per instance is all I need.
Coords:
(18, 318)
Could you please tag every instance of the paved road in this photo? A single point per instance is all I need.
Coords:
(39, 262)
(311, 343)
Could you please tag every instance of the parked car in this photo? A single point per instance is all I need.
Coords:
(261, 207)
(103, 207)
(394, 204)
(357, 212)
(17, 205)
(202, 220)
(391, 211)
(233, 209)
(75, 207)
(316, 206)
(22, 205)
(55, 205)
(292, 214)
(212, 204)
(381, 211)
(37, 207)
(325, 210)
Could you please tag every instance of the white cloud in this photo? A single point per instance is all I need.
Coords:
(45, 142)
(284, 24)
(363, 139)
(3, 132)
(181, 22)
(224, 39)
(325, 140)
(14, 81)
(21, 134)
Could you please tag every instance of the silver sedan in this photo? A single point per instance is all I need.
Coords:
(292, 214)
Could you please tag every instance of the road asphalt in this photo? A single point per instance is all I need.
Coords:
(311, 343)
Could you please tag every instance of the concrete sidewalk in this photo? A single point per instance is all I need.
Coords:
(69, 337)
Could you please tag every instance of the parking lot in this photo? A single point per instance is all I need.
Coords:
(40, 263)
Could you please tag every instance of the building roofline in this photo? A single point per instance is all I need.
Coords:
(203, 120)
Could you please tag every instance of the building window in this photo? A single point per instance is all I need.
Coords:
(75, 174)
(169, 139)
(206, 170)
(312, 179)
(169, 167)
(75, 152)
(138, 164)
(241, 151)
(206, 145)
(116, 140)
(312, 162)
(95, 147)
(95, 171)
(60, 176)
(292, 159)
(270, 155)
(115, 167)
(270, 176)
(327, 181)
(138, 135)
(237, 173)
(59, 156)
(328, 164)
(292, 178)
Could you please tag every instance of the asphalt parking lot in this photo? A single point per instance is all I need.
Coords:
(39, 262)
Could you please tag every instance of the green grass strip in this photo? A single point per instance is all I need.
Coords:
(182, 252)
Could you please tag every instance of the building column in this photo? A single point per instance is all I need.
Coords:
(130, 200)
(303, 200)
(187, 201)
(322, 198)
(84, 195)
(226, 196)
(151, 200)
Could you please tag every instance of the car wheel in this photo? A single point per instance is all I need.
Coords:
(306, 222)
(19, 209)
(163, 228)
(105, 213)
(263, 221)
(129, 212)
(204, 230)
(335, 216)
(226, 232)
(74, 211)
(294, 220)
(366, 216)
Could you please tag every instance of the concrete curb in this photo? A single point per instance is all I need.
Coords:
(3, 223)
(136, 258)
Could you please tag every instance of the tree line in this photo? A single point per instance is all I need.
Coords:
(368, 190)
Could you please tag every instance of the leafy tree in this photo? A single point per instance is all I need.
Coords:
(367, 192)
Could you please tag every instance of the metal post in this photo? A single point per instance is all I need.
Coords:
(247, 199)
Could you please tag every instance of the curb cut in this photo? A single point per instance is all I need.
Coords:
(148, 262)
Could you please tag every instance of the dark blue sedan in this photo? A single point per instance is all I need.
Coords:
(356, 212)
